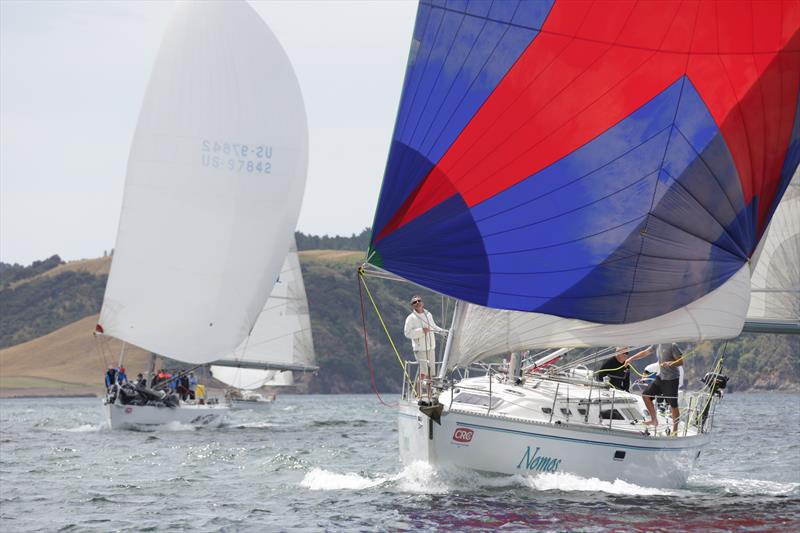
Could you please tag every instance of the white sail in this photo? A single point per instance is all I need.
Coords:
(214, 183)
(251, 379)
(776, 277)
(481, 332)
(281, 335)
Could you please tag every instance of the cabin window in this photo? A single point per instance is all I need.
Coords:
(606, 414)
(478, 399)
(565, 411)
(619, 455)
(546, 410)
(582, 410)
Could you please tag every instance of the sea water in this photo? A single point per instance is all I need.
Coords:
(330, 463)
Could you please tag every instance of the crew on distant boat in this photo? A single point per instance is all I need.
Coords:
(666, 383)
(617, 367)
(121, 376)
(420, 328)
(192, 385)
(140, 380)
(183, 387)
(111, 376)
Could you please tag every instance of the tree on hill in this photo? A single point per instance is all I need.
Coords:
(358, 242)
(10, 273)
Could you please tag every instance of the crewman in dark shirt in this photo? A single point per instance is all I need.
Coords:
(616, 367)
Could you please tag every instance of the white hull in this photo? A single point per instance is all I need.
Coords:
(491, 444)
(241, 405)
(143, 417)
(549, 425)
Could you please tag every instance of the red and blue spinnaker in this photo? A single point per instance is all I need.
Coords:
(609, 161)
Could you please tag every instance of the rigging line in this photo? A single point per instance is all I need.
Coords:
(717, 370)
(360, 280)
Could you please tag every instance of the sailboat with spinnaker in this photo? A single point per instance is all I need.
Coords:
(578, 176)
(215, 180)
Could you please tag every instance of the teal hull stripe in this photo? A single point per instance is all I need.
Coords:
(570, 439)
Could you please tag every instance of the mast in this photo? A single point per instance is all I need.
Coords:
(448, 344)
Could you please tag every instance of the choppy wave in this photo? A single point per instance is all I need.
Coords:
(319, 479)
(422, 478)
(84, 428)
(572, 483)
(745, 487)
(287, 472)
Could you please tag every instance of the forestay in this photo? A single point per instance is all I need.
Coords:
(215, 178)
(280, 337)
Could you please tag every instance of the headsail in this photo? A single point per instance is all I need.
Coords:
(281, 337)
(603, 162)
(775, 298)
(214, 184)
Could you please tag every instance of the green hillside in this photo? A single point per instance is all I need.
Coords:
(36, 301)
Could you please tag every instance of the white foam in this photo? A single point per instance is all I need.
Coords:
(319, 479)
(745, 486)
(85, 428)
(421, 478)
(169, 426)
(572, 483)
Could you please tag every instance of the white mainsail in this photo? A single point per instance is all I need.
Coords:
(281, 337)
(214, 183)
(481, 332)
(775, 300)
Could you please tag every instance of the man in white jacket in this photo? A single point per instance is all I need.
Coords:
(420, 328)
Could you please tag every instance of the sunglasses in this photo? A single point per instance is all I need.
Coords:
(415, 302)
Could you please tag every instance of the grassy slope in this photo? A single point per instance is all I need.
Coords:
(67, 361)
(71, 360)
(98, 267)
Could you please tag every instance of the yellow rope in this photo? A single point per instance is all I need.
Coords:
(386, 330)
(641, 375)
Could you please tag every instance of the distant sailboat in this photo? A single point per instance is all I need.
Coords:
(582, 175)
(214, 183)
(279, 344)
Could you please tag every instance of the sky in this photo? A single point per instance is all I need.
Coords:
(72, 80)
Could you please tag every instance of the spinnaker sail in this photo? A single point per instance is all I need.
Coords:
(214, 183)
(281, 337)
(601, 163)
